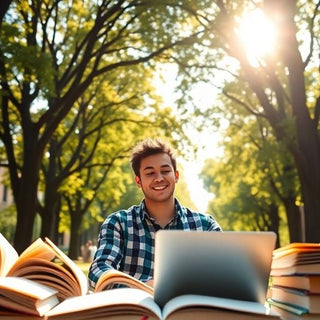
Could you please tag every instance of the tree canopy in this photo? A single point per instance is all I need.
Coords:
(52, 52)
(76, 94)
(283, 80)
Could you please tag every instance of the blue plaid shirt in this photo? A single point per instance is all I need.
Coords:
(126, 240)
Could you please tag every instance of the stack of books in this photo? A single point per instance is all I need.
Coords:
(295, 281)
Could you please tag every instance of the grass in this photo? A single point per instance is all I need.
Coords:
(84, 266)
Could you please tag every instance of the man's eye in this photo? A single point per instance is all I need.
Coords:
(149, 173)
(166, 172)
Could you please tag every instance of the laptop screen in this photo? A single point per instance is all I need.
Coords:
(234, 265)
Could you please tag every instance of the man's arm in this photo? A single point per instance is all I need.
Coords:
(110, 249)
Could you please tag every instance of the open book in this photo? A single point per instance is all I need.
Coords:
(130, 303)
(114, 277)
(46, 264)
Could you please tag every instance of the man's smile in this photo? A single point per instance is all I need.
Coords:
(162, 187)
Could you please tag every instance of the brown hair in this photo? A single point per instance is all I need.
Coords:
(150, 147)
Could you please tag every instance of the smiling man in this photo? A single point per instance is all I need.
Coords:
(126, 238)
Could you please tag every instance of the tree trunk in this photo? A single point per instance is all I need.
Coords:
(26, 202)
(307, 152)
(4, 6)
(311, 200)
(56, 233)
(25, 194)
(307, 159)
(52, 204)
(74, 248)
(294, 219)
(48, 215)
(273, 214)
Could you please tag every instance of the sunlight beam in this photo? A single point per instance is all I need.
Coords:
(258, 36)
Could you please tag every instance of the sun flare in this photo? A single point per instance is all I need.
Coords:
(258, 35)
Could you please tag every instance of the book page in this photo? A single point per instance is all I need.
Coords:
(25, 287)
(77, 272)
(6, 314)
(203, 313)
(37, 249)
(296, 247)
(100, 305)
(191, 300)
(48, 273)
(113, 277)
(8, 256)
(40, 256)
(27, 296)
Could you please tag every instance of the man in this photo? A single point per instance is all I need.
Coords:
(126, 238)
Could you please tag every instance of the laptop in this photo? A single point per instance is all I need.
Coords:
(230, 264)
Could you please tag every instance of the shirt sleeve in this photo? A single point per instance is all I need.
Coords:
(213, 225)
(110, 249)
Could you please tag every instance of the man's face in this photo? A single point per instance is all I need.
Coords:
(157, 177)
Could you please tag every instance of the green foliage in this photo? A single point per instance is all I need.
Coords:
(249, 178)
(8, 218)
(26, 62)
(78, 93)
(183, 193)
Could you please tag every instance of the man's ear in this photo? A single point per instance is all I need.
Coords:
(137, 181)
(176, 175)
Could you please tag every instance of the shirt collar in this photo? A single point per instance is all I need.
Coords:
(180, 211)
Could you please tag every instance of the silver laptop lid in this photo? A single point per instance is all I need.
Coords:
(233, 265)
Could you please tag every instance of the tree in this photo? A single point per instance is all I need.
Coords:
(89, 138)
(251, 147)
(50, 54)
(284, 83)
(254, 181)
(97, 172)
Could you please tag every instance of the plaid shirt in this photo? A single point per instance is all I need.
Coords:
(126, 240)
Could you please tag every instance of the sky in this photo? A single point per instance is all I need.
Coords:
(192, 169)
(207, 140)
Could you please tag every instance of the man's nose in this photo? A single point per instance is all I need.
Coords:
(158, 177)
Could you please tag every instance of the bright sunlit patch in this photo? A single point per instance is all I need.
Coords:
(258, 35)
